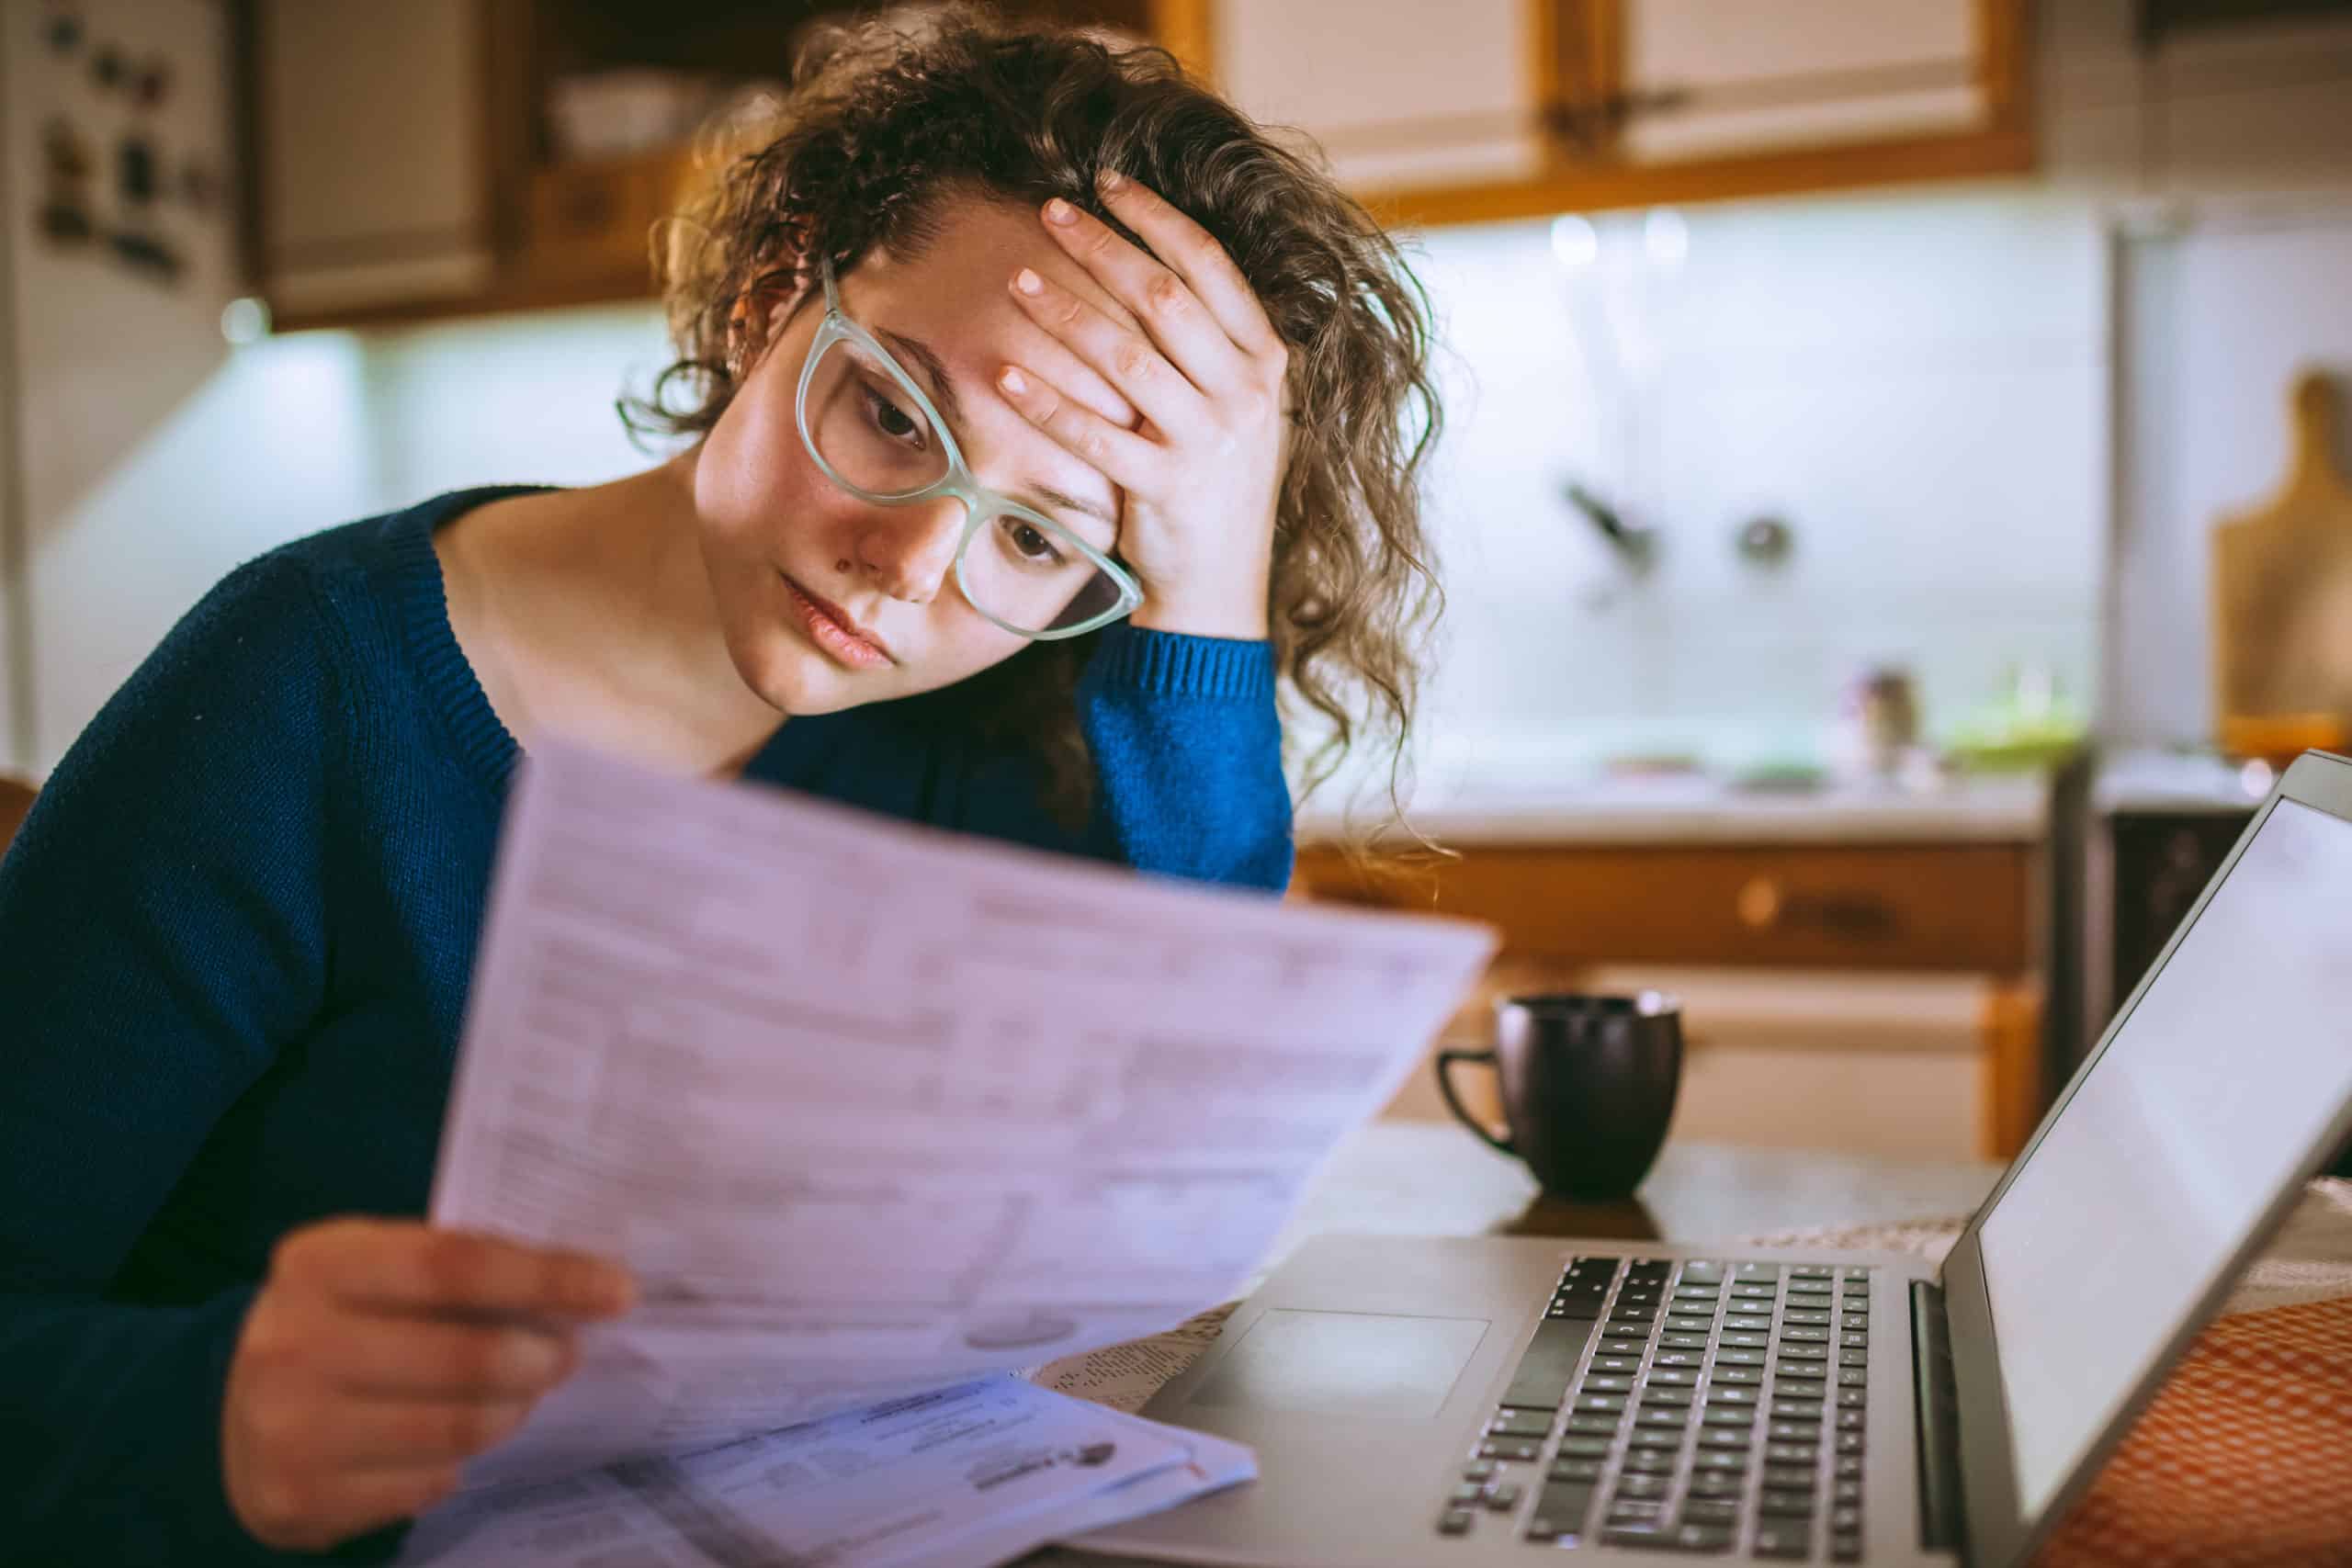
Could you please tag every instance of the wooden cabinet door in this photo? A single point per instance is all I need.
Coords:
(372, 177)
(1703, 77)
(1398, 92)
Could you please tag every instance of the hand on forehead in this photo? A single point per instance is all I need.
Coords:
(952, 296)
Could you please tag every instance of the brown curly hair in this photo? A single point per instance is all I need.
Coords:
(885, 120)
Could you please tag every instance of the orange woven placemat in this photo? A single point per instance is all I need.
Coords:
(2244, 1461)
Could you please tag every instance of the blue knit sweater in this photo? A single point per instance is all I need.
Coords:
(235, 938)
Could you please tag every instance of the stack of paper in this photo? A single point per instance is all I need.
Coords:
(873, 1112)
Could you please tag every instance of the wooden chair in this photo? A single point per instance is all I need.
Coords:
(16, 799)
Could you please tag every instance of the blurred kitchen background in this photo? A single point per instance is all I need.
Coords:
(1843, 398)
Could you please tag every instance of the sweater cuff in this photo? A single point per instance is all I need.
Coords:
(1179, 664)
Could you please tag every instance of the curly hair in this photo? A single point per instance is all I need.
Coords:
(885, 122)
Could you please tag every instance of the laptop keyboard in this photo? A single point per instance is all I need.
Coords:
(1721, 1410)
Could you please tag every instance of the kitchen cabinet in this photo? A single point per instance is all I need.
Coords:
(1528, 108)
(366, 133)
(1880, 998)
(407, 164)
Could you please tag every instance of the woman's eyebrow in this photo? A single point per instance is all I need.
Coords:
(942, 390)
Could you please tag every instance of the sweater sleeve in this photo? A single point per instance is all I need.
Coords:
(1187, 754)
(162, 930)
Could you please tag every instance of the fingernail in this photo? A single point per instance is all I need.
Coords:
(1028, 282)
(1013, 381)
(1111, 182)
(1060, 212)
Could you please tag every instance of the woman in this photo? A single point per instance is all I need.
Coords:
(1044, 415)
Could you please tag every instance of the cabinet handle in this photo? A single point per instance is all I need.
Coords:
(1758, 904)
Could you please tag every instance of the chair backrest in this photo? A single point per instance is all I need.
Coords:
(16, 799)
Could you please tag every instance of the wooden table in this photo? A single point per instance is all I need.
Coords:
(1431, 1178)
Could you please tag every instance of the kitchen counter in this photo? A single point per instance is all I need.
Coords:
(1700, 809)
(2150, 782)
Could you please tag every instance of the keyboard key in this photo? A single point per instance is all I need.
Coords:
(1669, 1398)
(1521, 1424)
(1757, 1293)
(1654, 1418)
(1713, 1484)
(1689, 1359)
(1593, 1261)
(1710, 1511)
(1731, 1415)
(1608, 1383)
(1852, 1398)
(1560, 1510)
(1667, 1437)
(1850, 1420)
(1548, 1363)
(1785, 1502)
(1850, 1467)
(1599, 1364)
(1804, 1352)
(1728, 1396)
(1453, 1521)
(1673, 1341)
(1632, 1331)
(1673, 1377)
(1789, 1453)
(1661, 1536)
(1822, 1289)
(1645, 1485)
(1739, 1357)
(1650, 1461)
(1597, 1405)
(1853, 1358)
(1584, 1472)
(1479, 1470)
(1468, 1492)
(1576, 1446)
(1804, 1337)
(1852, 1376)
(1796, 1409)
(1783, 1542)
(1846, 1521)
(1848, 1340)
(1503, 1496)
(1739, 1377)
(1759, 1271)
(1794, 1431)
(1640, 1317)
(1631, 1510)
(1516, 1449)
(1811, 1271)
(1847, 1491)
(1686, 1291)
(1726, 1437)
(1849, 1442)
(1719, 1460)
(1702, 1271)
(1600, 1426)
(1846, 1549)
(1789, 1477)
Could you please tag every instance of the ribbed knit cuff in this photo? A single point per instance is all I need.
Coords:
(1178, 664)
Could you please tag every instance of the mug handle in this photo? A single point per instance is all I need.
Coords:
(1446, 1059)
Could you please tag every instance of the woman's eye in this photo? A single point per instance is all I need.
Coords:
(892, 419)
(1031, 542)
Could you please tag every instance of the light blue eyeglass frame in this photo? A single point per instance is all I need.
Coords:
(981, 504)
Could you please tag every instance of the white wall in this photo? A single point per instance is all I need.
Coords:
(1916, 383)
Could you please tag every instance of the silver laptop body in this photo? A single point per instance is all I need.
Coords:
(1485, 1401)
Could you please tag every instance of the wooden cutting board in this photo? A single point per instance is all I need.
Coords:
(2282, 598)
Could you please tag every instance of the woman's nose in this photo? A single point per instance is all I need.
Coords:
(909, 548)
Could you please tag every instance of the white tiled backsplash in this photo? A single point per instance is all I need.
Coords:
(1916, 386)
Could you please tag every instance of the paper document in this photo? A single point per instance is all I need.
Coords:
(981, 1474)
(872, 1109)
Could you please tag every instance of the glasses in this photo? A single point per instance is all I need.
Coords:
(877, 435)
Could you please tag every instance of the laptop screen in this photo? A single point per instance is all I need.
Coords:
(2234, 1063)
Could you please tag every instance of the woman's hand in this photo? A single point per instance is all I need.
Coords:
(1201, 474)
(378, 1355)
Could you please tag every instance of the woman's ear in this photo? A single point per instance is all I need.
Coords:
(758, 314)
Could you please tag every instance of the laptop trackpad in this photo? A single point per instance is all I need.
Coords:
(1345, 1364)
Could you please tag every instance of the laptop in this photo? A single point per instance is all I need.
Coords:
(1462, 1402)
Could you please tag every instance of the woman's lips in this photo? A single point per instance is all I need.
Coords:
(833, 632)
